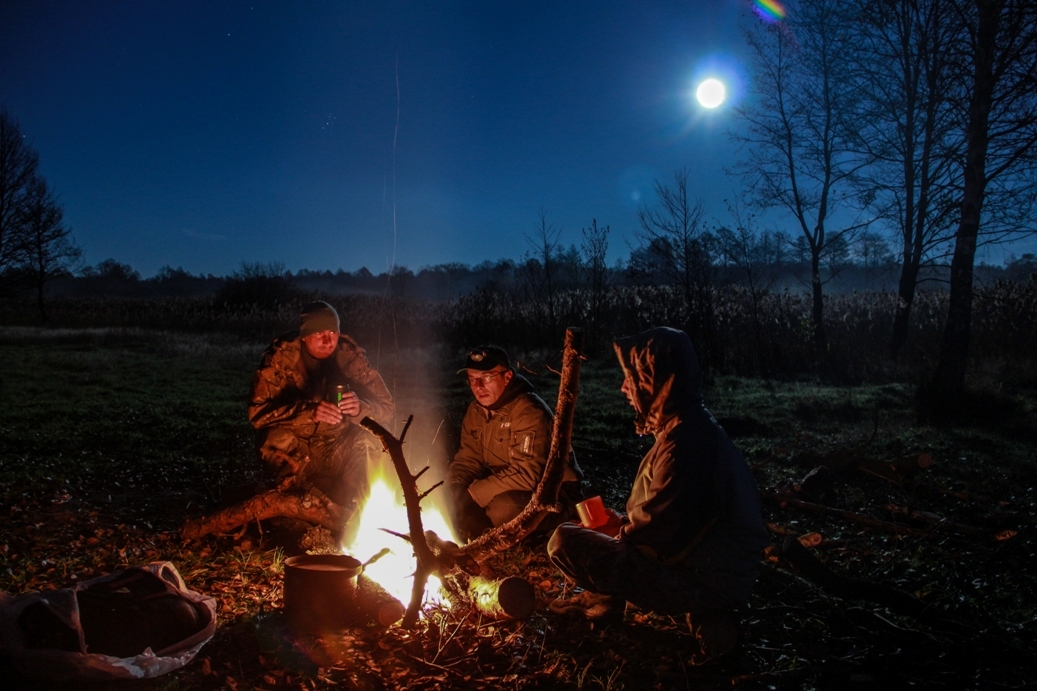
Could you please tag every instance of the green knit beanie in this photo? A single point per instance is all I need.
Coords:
(316, 317)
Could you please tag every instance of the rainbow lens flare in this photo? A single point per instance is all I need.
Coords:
(769, 10)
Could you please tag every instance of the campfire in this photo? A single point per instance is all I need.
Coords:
(382, 512)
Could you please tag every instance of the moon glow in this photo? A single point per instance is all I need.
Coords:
(710, 93)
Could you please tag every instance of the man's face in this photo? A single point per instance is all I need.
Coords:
(630, 390)
(321, 344)
(488, 386)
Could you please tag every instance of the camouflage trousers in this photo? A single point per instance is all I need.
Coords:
(338, 460)
(712, 579)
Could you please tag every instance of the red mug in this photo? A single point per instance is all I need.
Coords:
(592, 513)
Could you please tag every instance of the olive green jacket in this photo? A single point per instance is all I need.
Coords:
(505, 448)
(288, 386)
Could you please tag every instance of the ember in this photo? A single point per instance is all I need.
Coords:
(384, 511)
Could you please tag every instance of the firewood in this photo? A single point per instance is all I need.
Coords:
(944, 524)
(372, 604)
(505, 598)
(812, 568)
(428, 563)
(287, 501)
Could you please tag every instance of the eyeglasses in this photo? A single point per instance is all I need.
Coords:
(483, 379)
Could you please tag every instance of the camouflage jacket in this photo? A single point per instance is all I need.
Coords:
(288, 386)
(506, 448)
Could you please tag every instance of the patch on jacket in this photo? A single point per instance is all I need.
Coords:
(526, 445)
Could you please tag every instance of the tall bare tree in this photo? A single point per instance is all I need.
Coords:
(797, 156)
(541, 266)
(675, 234)
(902, 65)
(48, 250)
(18, 163)
(1001, 41)
(757, 256)
(594, 246)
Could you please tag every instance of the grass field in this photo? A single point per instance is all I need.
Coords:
(110, 438)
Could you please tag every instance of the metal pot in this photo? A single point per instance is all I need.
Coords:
(318, 591)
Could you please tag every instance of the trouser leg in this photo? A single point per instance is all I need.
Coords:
(615, 567)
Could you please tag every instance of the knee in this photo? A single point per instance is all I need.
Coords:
(560, 539)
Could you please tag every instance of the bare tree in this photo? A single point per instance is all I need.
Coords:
(756, 255)
(907, 130)
(48, 250)
(1001, 40)
(797, 155)
(18, 163)
(541, 266)
(595, 246)
(675, 234)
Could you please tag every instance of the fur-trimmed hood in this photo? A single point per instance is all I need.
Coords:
(664, 370)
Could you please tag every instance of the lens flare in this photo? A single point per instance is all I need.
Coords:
(769, 10)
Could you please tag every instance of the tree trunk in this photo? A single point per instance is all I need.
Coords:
(817, 311)
(905, 299)
(954, 349)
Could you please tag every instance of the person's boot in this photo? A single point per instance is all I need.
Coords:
(717, 633)
(589, 605)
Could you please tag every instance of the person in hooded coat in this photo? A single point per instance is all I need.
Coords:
(505, 439)
(692, 536)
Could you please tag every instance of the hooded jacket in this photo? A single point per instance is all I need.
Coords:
(693, 488)
(504, 446)
(290, 383)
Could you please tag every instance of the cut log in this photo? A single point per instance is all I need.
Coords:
(287, 501)
(373, 605)
(505, 598)
(545, 497)
(812, 568)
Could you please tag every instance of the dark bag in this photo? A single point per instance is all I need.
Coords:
(135, 623)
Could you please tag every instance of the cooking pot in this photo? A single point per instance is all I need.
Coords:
(318, 591)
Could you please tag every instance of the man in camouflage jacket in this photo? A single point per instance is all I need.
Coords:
(312, 388)
(505, 439)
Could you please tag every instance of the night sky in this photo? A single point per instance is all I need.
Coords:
(203, 134)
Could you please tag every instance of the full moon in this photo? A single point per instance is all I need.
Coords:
(711, 93)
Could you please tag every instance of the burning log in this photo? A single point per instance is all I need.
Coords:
(545, 497)
(506, 598)
(374, 605)
(428, 563)
(287, 501)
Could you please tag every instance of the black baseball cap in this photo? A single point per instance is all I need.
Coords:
(484, 358)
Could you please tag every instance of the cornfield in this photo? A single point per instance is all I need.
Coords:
(735, 332)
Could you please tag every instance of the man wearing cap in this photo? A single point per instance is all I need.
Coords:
(505, 438)
(312, 388)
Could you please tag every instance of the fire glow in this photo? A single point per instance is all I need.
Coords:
(384, 510)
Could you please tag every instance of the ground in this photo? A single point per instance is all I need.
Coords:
(110, 439)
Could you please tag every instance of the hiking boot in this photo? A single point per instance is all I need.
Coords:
(717, 634)
(592, 606)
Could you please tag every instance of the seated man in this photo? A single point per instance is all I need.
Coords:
(505, 439)
(312, 388)
(693, 534)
